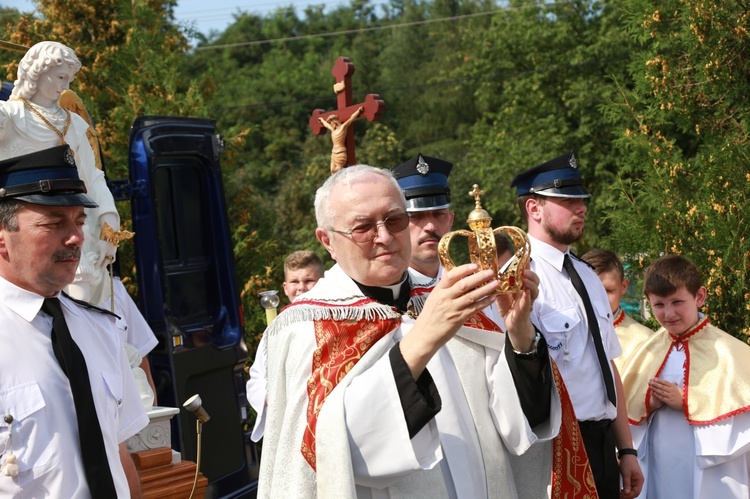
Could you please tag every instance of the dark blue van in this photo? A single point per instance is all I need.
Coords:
(187, 292)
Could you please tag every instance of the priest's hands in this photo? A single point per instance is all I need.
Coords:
(516, 311)
(665, 392)
(461, 293)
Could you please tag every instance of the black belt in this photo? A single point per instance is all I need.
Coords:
(602, 424)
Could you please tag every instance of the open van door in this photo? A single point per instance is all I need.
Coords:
(187, 292)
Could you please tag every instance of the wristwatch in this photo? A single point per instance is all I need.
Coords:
(531, 354)
(627, 452)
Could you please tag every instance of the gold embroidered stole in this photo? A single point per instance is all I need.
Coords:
(340, 345)
(571, 471)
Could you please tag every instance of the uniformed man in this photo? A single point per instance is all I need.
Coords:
(573, 313)
(424, 181)
(68, 400)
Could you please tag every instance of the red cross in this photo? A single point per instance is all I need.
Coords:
(373, 105)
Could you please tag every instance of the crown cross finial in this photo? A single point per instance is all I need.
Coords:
(476, 193)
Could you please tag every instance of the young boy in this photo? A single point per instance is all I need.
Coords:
(688, 394)
(302, 269)
(630, 332)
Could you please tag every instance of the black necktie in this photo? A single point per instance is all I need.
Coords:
(73, 363)
(593, 327)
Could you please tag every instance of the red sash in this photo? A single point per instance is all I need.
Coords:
(477, 321)
(481, 321)
(571, 471)
(340, 346)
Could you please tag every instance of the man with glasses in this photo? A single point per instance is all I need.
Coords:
(365, 400)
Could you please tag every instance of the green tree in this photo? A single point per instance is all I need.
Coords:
(543, 70)
(683, 185)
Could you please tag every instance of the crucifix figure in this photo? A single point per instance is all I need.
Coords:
(339, 121)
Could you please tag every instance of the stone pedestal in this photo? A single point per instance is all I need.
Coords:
(163, 473)
(157, 434)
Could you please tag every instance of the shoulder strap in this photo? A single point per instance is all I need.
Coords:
(90, 306)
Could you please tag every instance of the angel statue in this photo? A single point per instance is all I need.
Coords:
(32, 120)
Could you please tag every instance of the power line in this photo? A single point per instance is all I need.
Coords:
(378, 28)
(264, 6)
(349, 31)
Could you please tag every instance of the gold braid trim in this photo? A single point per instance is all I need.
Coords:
(46, 121)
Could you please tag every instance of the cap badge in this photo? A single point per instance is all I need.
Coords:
(422, 166)
(68, 158)
(572, 161)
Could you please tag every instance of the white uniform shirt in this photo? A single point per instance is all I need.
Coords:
(133, 326)
(36, 392)
(560, 315)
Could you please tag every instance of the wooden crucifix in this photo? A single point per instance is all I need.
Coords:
(339, 121)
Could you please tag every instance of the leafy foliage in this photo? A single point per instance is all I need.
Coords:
(683, 187)
(543, 70)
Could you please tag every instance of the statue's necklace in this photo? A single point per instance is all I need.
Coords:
(50, 125)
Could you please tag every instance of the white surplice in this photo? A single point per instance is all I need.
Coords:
(363, 444)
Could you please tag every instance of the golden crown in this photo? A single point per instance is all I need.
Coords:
(483, 250)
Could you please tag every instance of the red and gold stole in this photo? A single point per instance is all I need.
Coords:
(481, 321)
(341, 344)
(571, 472)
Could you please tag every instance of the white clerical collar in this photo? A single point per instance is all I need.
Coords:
(396, 288)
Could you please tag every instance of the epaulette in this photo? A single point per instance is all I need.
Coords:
(90, 306)
(582, 260)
